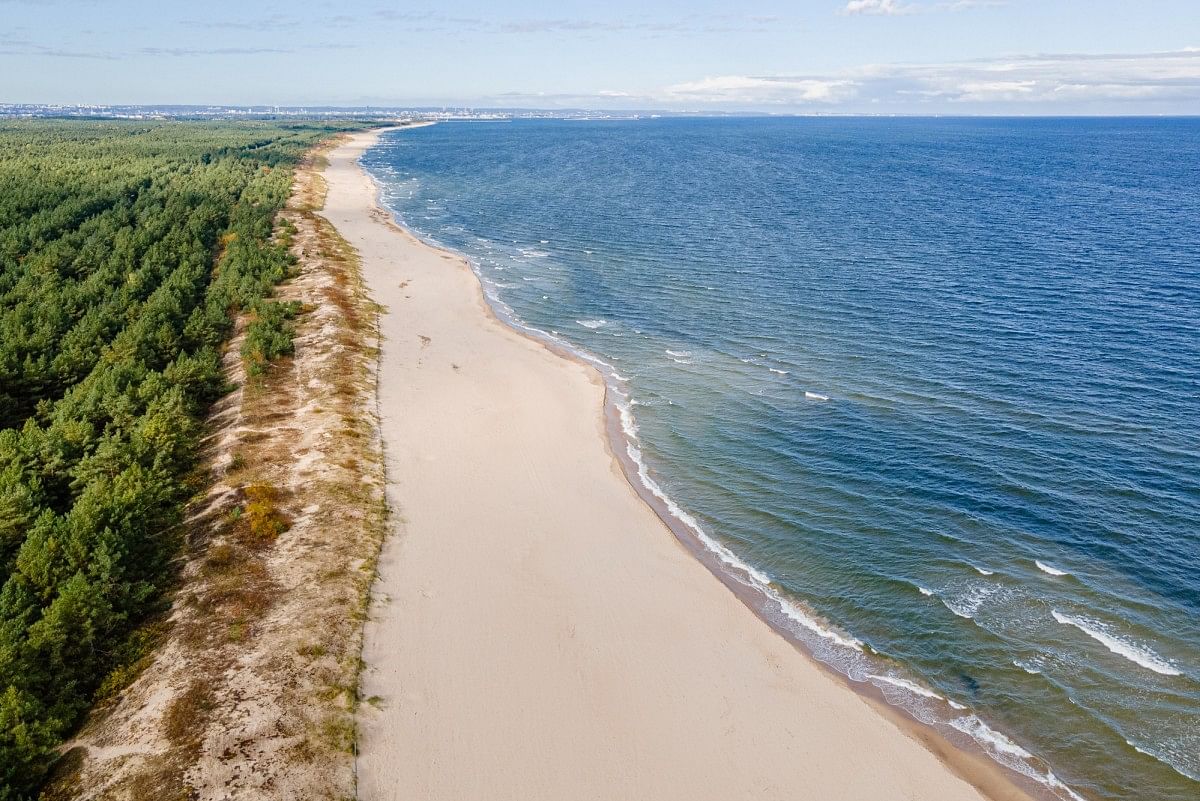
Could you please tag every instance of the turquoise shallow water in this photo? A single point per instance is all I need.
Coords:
(937, 382)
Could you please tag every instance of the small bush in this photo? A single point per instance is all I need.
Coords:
(263, 520)
(269, 334)
(220, 557)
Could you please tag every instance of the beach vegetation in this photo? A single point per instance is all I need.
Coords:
(127, 252)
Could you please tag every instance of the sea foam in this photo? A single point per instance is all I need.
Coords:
(1007, 752)
(905, 684)
(753, 577)
(1121, 646)
(967, 604)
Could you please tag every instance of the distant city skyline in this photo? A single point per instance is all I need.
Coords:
(820, 56)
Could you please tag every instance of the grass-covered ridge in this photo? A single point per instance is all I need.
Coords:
(126, 251)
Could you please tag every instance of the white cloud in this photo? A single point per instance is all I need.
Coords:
(894, 8)
(761, 90)
(1028, 83)
(883, 7)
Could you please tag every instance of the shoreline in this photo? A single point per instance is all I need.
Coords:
(975, 771)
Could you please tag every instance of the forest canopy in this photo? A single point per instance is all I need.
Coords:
(127, 249)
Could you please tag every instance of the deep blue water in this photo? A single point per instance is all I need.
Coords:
(894, 365)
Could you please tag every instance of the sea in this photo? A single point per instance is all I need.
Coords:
(929, 387)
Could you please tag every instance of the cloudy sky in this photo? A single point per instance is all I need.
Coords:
(807, 56)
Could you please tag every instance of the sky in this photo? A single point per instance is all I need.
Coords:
(804, 56)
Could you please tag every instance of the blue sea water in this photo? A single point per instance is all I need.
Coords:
(935, 381)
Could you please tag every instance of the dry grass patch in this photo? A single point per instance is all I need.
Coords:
(187, 715)
(250, 689)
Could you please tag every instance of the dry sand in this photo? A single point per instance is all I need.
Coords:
(537, 631)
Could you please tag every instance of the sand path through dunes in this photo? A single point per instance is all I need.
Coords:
(538, 633)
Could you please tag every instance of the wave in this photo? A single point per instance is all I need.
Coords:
(983, 733)
(1162, 759)
(959, 610)
(1132, 651)
(968, 604)
(983, 571)
(1006, 752)
(924, 591)
(905, 684)
(755, 578)
(679, 356)
(841, 650)
(780, 372)
(1045, 568)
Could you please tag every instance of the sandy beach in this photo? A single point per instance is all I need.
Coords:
(537, 631)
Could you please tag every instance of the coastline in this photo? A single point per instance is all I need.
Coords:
(721, 720)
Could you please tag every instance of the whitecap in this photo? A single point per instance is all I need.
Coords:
(798, 615)
(924, 591)
(1056, 783)
(1159, 758)
(988, 737)
(983, 572)
(593, 324)
(779, 372)
(815, 396)
(1045, 568)
(679, 354)
(1134, 652)
(754, 577)
(969, 603)
(905, 684)
(959, 610)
